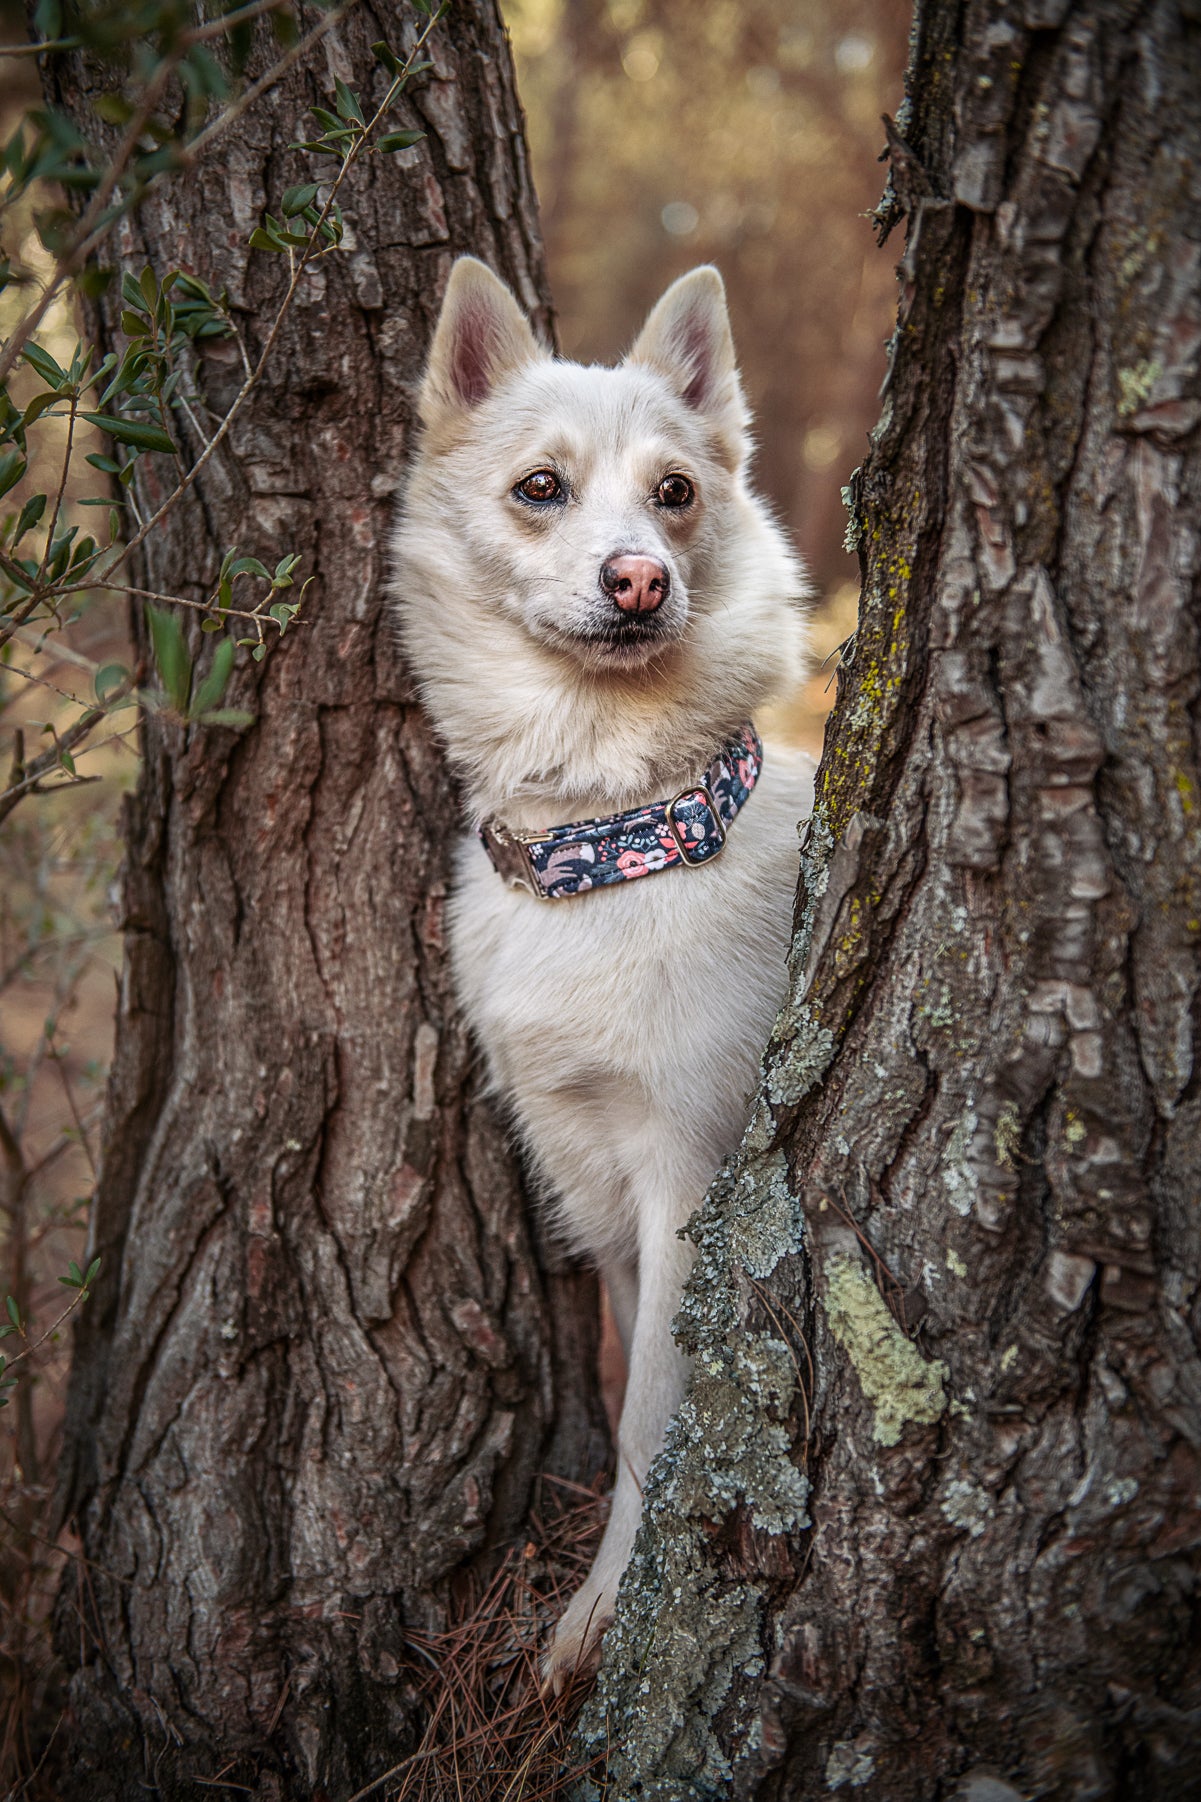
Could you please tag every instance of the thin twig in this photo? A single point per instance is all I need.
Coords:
(755, 1284)
(180, 600)
(58, 499)
(51, 759)
(70, 1095)
(81, 1294)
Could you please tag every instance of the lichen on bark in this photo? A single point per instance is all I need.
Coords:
(899, 1383)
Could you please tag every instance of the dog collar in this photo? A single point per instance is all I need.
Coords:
(690, 829)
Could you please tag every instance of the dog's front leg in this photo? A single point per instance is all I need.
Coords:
(658, 1372)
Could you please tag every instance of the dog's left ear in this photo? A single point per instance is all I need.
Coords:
(687, 339)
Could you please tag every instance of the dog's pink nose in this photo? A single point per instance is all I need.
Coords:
(637, 584)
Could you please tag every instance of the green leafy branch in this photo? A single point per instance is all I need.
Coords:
(81, 1282)
(359, 134)
(143, 393)
(49, 147)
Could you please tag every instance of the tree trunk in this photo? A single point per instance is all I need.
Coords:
(928, 1523)
(325, 1358)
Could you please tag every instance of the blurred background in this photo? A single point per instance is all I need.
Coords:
(663, 133)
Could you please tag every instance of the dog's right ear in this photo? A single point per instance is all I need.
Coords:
(482, 336)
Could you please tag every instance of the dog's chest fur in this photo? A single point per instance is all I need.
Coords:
(625, 1026)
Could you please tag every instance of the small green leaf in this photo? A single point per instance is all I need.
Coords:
(90, 1278)
(114, 109)
(296, 199)
(131, 294)
(385, 55)
(214, 684)
(103, 463)
(41, 360)
(108, 679)
(349, 104)
(210, 625)
(67, 761)
(14, 1312)
(399, 140)
(31, 512)
(12, 468)
(132, 431)
(248, 566)
(259, 652)
(38, 406)
(94, 281)
(132, 324)
(262, 240)
(171, 655)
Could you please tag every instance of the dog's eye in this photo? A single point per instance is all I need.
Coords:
(674, 491)
(544, 485)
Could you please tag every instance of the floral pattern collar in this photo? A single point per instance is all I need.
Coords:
(690, 829)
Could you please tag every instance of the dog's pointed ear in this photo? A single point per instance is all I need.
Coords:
(482, 336)
(687, 339)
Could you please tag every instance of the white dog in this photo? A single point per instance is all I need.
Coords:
(595, 605)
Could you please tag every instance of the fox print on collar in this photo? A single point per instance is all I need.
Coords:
(689, 830)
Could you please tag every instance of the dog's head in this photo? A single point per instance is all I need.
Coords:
(591, 501)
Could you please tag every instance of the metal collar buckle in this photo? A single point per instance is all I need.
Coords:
(510, 856)
(701, 793)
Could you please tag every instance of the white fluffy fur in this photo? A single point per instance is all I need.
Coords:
(623, 1026)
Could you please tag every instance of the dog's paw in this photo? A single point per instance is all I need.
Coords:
(575, 1647)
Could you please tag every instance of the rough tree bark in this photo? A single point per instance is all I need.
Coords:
(324, 1360)
(928, 1524)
